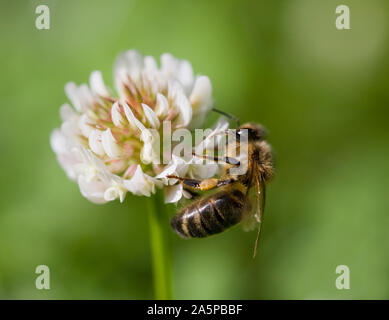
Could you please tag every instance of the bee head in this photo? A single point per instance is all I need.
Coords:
(255, 131)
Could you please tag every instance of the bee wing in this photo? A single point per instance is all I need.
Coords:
(254, 211)
(261, 198)
(249, 220)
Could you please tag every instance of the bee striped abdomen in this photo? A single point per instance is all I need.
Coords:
(210, 215)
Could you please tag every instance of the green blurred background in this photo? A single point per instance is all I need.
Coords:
(322, 93)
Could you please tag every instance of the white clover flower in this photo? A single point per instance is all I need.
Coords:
(107, 144)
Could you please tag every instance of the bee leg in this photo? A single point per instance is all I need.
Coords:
(188, 183)
(228, 160)
(225, 182)
(202, 185)
(195, 184)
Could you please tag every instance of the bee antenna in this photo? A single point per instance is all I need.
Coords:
(228, 115)
(257, 240)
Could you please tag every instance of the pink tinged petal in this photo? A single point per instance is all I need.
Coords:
(132, 120)
(95, 142)
(128, 149)
(117, 117)
(97, 84)
(130, 171)
(162, 106)
(111, 148)
(117, 166)
(151, 116)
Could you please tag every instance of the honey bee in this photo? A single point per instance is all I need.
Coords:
(237, 197)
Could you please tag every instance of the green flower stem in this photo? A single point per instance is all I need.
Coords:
(160, 247)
